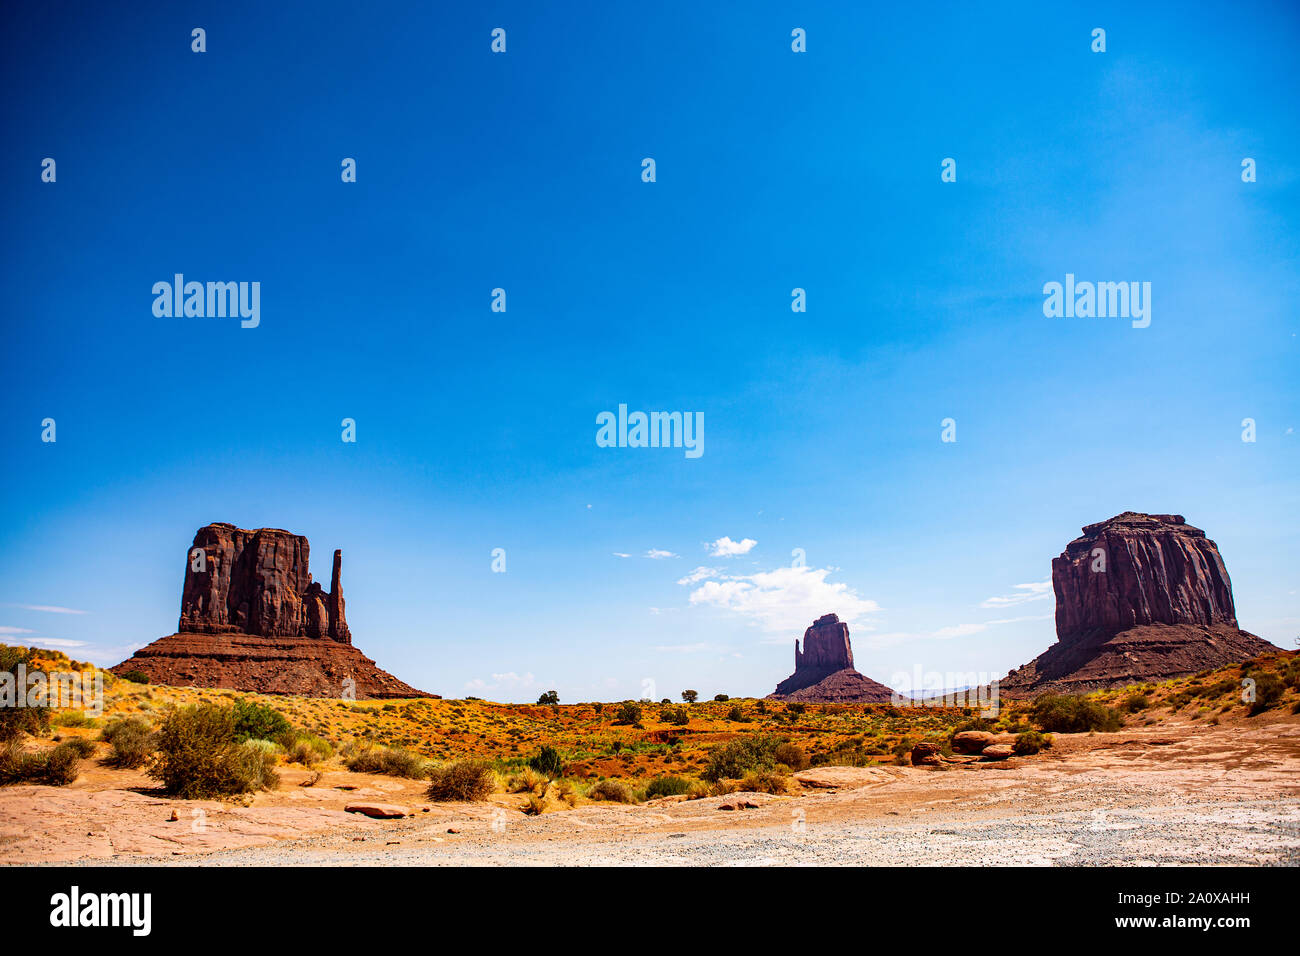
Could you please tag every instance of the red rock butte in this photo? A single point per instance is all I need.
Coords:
(823, 669)
(1138, 597)
(252, 619)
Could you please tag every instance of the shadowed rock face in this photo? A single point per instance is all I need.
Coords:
(252, 619)
(1139, 569)
(258, 582)
(1138, 597)
(823, 668)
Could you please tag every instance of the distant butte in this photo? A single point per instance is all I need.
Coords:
(252, 619)
(1138, 597)
(823, 669)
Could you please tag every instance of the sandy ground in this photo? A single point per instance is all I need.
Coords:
(1179, 793)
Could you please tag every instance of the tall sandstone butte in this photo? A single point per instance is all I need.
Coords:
(252, 619)
(1138, 597)
(823, 668)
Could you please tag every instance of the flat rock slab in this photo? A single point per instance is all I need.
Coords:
(380, 811)
(845, 777)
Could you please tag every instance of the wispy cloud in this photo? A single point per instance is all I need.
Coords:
(1021, 594)
(47, 608)
(785, 599)
(51, 642)
(621, 554)
(15, 630)
(696, 576)
(724, 547)
(656, 554)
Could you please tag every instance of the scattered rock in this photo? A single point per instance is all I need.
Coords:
(379, 811)
(174, 817)
(925, 755)
(972, 741)
(997, 752)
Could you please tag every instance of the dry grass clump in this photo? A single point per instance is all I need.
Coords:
(131, 739)
(614, 791)
(527, 780)
(393, 761)
(56, 767)
(464, 780)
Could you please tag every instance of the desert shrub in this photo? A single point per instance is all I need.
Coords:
(615, 791)
(721, 698)
(1219, 688)
(565, 790)
(526, 781)
(735, 714)
(690, 696)
(198, 755)
(550, 697)
(798, 707)
(306, 749)
(255, 721)
(1031, 742)
(15, 721)
(535, 805)
(678, 716)
(83, 746)
(667, 787)
(135, 677)
(547, 761)
(791, 755)
(72, 718)
(629, 712)
(1135, 702)
(464, 780)
(764, 781)
(1068, 714)
(131, 741)
(392, 761)
(735, 759)
(974, 723)
(56, 767)
(1269, 689)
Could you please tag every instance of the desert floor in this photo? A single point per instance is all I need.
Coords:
(1179, 793)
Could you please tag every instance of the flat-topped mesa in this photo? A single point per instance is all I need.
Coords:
(1137, 569)
(258, 582)
(1139, 597)
(826, 647)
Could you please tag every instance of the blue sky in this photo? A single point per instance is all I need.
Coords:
(775, 170)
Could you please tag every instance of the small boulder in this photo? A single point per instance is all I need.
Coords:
(925, 755)
(972, 741)
(997, 752)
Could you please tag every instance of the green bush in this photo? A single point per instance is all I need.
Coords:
(764, 781)
(547, 761)
(667, 787)
(255, 721)
(306, 749)
(615, 791)
(1269, 689)
(135, 677)
(735, 714)
(629, 712)
(131, 740)
(1068, 714)
(1136, 702)
(1031, 742)
(791, 755)
(733, 760)
(678, 716)
(464, 780)
(550, 697)
(15, 721)
(199, 755)
(721, 698)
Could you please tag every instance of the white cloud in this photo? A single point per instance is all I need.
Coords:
(1022, 594)
(724, 547)
(47, 608)
(508, 681)
(15, 630)
(621, 554)
(51, 642)
(655, 554)
(696, 576)
(786, 599)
